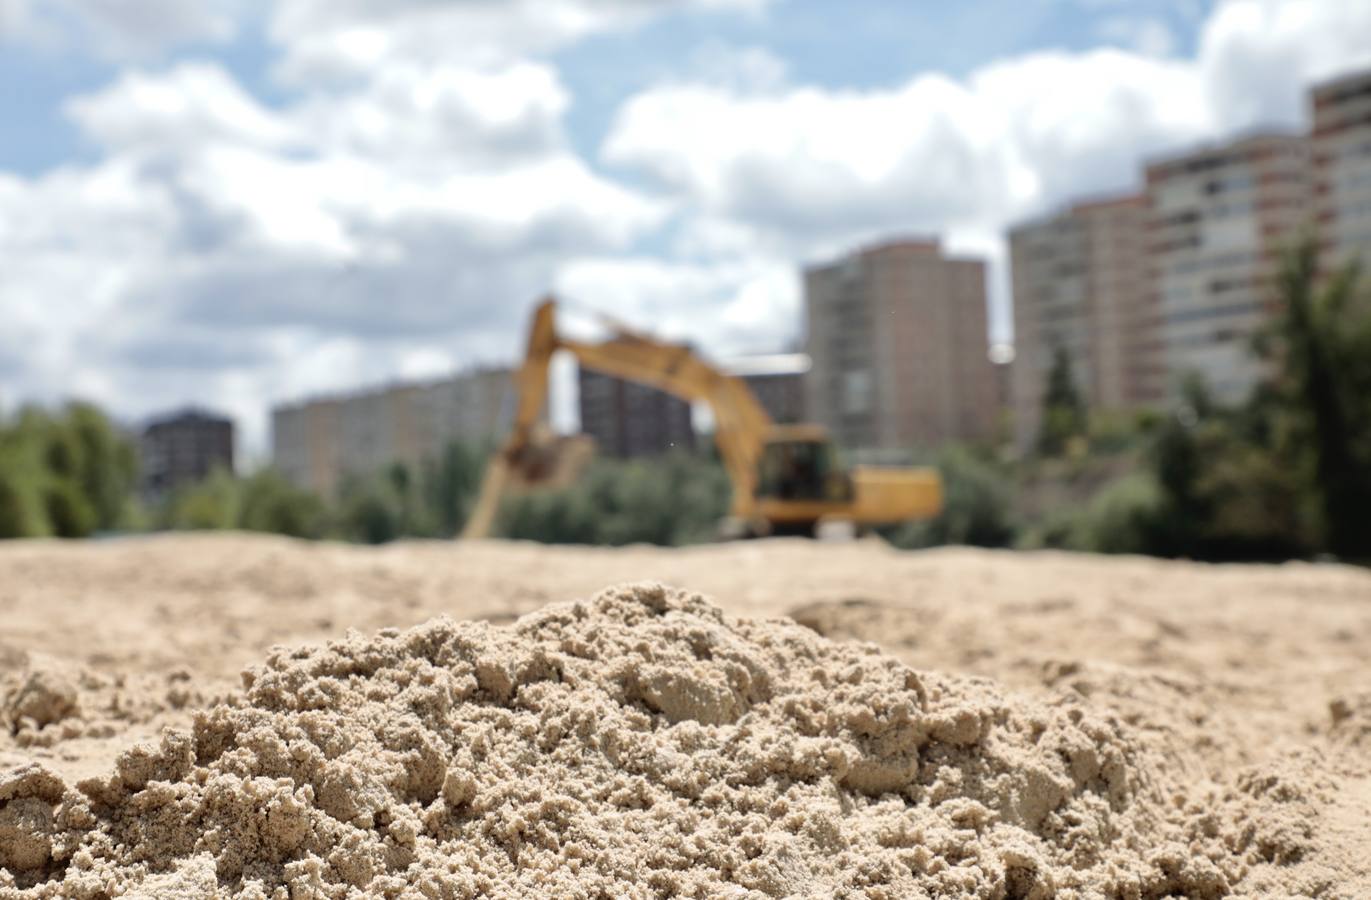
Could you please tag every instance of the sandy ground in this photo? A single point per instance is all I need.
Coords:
(1235, 672)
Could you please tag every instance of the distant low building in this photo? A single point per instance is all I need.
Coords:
(628, 419)
(777, 381)
(183, 448)
(315, 444)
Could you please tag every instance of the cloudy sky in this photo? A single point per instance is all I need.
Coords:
(239, 202)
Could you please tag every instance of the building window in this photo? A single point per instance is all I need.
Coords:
(857, 391)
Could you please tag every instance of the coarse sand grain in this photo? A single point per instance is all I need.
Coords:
(191, 716)
(638, 744)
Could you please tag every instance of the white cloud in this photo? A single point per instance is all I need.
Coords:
(443, 117)
(807, 172)
(226, 250)
(804, 167)
(741, 68)
(725, 308)
(118, 30)
(1258, 56)
(332, 38)
(1146, 35)
(194, 104)
(235, 253)
(14, 16)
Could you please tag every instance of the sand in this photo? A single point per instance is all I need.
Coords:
(818, 720)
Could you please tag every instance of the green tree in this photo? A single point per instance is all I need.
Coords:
(1226, 492)
(22, 509)
(450, 484)
(211, 505)
(108, 467)
(977, 506)
(1064, 415)
(270, 503)
(1320, 346)
(370, 510)
(67, 473)
(674, 499)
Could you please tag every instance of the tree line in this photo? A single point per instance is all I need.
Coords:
(71, 473)
(1286, 474)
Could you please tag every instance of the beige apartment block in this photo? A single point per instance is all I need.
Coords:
(1081, 285)
(1342, 167)
(899, 350)
(628, 419)
(1218, 219)
(305, 446)
(317, 443)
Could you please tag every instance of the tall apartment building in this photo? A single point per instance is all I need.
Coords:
(1081, 286)
(899, 348)
(1217, 220)
(183, 448)
(317, 442)
(629, 419)
(777, 381)
(1342, 166)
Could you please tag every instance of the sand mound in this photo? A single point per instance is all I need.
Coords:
(639, 744)
(45, 702)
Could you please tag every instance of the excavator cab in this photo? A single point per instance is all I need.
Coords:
(802, 468)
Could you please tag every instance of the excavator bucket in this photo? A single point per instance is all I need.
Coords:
(551, 462)
(547, 462)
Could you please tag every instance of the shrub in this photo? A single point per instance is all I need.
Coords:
(270, 503)
(1124, 517)
(676, 499)
(211, 505)
(977, 507)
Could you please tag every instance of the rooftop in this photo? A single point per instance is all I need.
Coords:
(769, 364)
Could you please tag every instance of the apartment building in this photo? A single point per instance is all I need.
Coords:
(317, 443)
(628, 419)
(183, 448)
(1081, 286)
(1341, 138)
(1217, 221)
(899, 349)
(777, 381)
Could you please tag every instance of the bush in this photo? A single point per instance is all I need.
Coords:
(211, 505)
(450, 485)
(68, 474)
(977, 507)
(68, 510)
(22, 511)
(270, 503)
(1124, 517)
(676, 499)
(109, 465)
(370, 510)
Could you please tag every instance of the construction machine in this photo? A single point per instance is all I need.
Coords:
(787, 479)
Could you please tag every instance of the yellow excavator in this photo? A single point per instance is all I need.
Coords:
(787, 479)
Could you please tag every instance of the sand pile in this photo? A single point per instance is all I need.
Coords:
(638, 744)
(45, 701)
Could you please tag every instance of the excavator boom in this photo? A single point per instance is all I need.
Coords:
(801, 487)
(740, 422)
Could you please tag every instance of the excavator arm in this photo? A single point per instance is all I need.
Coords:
(740, 422)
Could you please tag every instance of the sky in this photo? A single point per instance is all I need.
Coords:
(238, 203)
